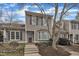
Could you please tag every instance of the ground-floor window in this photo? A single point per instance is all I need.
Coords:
(14, 35)
(17, 35)
(42, 35)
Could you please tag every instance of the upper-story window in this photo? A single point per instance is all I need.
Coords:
(30, 19)
(44, 21)
(36, 20)
(74, 26)
(39, 21)
(33, 20)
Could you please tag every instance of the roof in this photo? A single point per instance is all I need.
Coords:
(36, 14)
(12, 26)
(75, 20)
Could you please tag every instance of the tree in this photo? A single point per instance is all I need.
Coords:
(77, 17)
(65, 9)
(57, 25)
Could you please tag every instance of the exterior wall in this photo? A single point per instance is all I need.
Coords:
(74, 32)
(36, 28)
(67, 27)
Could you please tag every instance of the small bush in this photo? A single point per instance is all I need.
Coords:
(14, 44)
(63, 41)
(50, 42)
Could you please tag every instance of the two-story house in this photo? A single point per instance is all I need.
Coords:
(36, 27)
(71, 30)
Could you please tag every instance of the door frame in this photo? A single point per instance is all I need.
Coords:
(30, 34)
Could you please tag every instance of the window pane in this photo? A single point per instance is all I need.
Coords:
(43, 35)
(17, 35)
(30, 18)
(44, 22)
(33, 20)
(37, 20)
(12, 35)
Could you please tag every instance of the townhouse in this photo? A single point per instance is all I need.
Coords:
(70, 30)
(36, 27)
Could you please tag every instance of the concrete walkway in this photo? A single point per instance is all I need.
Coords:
(31, 50)
(73, 53)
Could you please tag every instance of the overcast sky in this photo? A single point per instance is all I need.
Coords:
(19, 9)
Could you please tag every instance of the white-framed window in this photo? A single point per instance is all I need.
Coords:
(14, 35)
(44, 22)
(17, 35)
(43, 35)
(73, 26)
(33, 20)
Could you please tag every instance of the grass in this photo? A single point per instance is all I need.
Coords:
(18, 52)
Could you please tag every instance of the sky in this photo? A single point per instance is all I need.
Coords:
(18, 10)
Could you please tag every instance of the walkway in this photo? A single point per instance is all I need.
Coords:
(31, 50)
(73, 53)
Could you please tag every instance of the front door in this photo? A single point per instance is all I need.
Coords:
(30, 39)
(30, 36)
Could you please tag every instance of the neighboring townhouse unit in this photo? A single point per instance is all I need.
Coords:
(36, 27)
(70, 30)
(12, 32)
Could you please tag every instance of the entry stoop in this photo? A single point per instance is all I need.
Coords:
(31, 50)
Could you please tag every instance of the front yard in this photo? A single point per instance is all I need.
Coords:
(65, 50)
(7, 50)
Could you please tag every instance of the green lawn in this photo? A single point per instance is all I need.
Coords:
(15, 52)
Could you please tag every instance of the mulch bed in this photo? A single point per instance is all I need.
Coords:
(50, 51)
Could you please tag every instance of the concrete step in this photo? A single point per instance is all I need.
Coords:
(34, 54)
(31, 50)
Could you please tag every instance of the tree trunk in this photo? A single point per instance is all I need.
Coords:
(54, 42)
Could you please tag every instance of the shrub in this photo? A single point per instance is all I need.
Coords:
(14, 44)
(63, 41)
(50, 42)
(44, 43)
